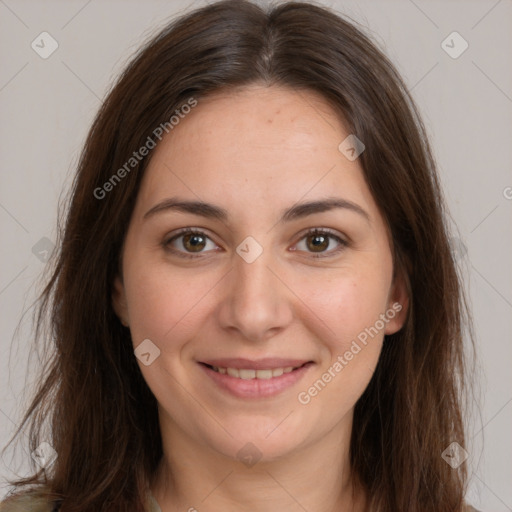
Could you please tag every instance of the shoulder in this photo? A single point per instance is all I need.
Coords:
(27, 502)
(36, 503)
(32, 502)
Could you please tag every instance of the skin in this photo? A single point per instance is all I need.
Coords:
(256, 152)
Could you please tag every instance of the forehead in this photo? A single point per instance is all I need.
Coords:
(255, 120)
(260, 146)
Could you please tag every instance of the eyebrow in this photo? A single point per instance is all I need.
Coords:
(297, 211)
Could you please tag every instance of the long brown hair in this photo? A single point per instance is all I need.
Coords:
(102, 417)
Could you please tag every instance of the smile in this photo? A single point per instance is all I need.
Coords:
(248, 374)
(255, 383)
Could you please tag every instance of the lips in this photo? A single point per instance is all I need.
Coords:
(248, 374)
(245, 378)
(269, 363)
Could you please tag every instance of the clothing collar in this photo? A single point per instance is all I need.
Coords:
(153, 505)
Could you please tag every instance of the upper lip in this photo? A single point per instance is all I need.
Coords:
(269, 363)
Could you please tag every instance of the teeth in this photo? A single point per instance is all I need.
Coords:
(233, 372)
(244, 374)
(264, 374)
(248, 374)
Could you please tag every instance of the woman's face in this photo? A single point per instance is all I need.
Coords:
(250, 289)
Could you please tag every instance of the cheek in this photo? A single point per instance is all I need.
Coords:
(347, 316)
(348, 303)
(165, 305)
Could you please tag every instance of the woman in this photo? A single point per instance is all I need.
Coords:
(255, 285)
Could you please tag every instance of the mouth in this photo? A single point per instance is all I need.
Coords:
(242, 380)
(250, 373)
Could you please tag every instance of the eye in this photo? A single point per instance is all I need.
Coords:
(188, 242)
(318, 241)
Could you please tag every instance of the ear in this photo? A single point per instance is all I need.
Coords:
(119, 301)
(398, 302)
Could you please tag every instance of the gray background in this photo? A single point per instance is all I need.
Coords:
(47, 106)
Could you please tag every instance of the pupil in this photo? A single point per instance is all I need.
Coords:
(319, 242)
(195, 241)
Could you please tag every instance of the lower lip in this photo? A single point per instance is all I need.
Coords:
(256, 388)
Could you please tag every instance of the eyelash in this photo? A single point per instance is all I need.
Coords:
(313, 231)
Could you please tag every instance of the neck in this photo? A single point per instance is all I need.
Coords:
(316, 478)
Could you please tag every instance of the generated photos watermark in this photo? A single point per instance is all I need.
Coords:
(143, 151)
(305, 397)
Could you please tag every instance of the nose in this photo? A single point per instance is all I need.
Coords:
(257, 304)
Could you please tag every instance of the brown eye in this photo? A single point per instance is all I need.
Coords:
(188, 242)
(317, 243)
(194, 242)
(322, 242)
